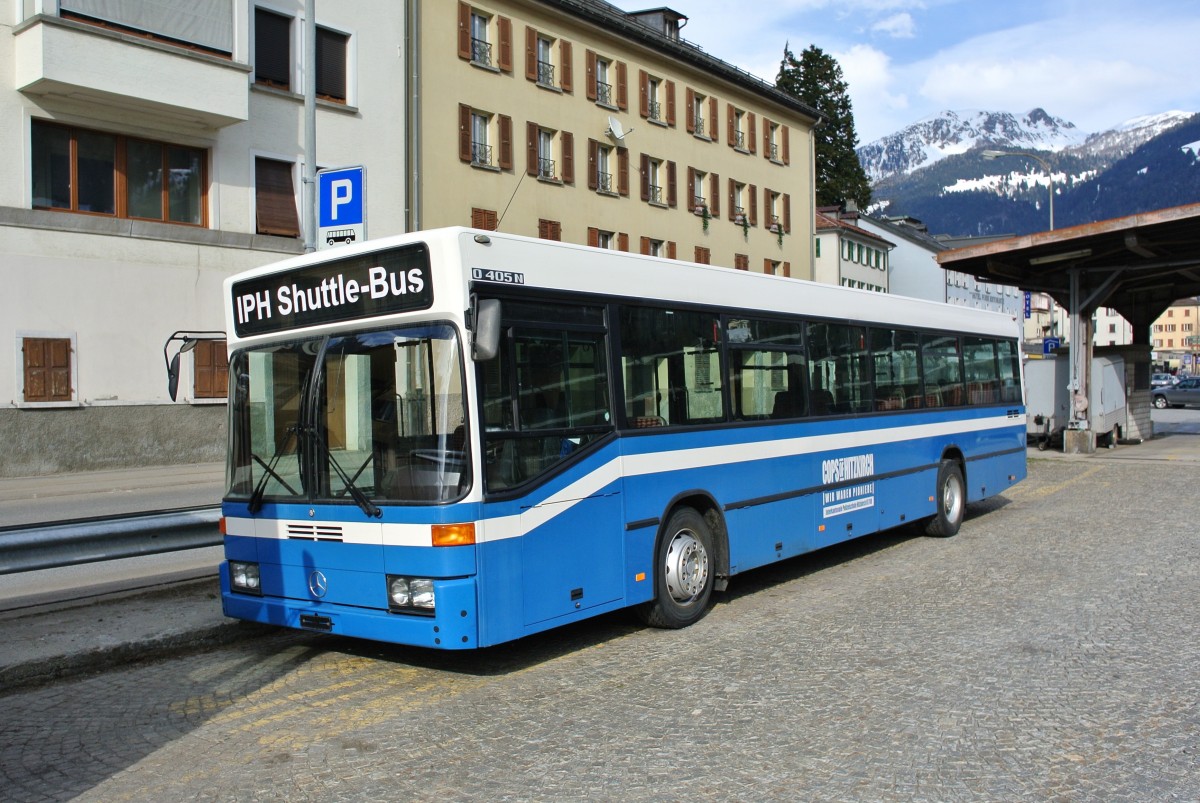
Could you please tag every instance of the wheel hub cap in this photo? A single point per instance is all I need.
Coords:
(687, 567)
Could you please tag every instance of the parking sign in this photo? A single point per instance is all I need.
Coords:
(341, 206)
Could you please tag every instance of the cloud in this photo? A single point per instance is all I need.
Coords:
(897, 26)
(870, 80)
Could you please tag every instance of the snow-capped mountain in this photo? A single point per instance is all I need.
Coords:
(953, 132)
(1124, 139)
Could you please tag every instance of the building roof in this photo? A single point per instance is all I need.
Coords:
(826, 222)
(635, 27)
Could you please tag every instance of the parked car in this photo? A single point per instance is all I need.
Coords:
(1161, 380)
(1185, 393)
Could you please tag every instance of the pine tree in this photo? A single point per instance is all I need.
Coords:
(816, 80)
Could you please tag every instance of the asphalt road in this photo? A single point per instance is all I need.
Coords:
(1048, 652)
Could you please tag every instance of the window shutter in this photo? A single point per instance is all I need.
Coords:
(767, 266)
(593, 153)
(622, 81)
(272, 49)
(732, 199)
(47, 369)
(787, 156)
(690, 191)
(753, 193)
(623, 172)
(565, 75)
(464, 31)
(752, 138)
(787, 213)
(645, 246)
(531, 71)
(713, 128)
(506, 142)
(730, 132)
(766, 138)
(670, 103)
(714, 195)
(643, 93)
(504, 26)
(568, 157)
(741, 261)
(623, 241)
(464, 133)
(593, 236)
(331, 64)
(210, 370)
(589, 73)
(672, 195)
(689, 100)
(531, 151)
(645, 171)
(702, 255)
(671, 249)
(274, 199)
(787, 269)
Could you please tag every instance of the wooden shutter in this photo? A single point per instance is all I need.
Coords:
(730, 132)
(506, 142)
(464, 133)
(47, 368)
(672, 195)
(645, 246)
(713, 128)
(714, 195)
(623, 240)
(767, 266)
(210, 370)
(787, 269)
(504, 26)
(589, 73)
(623, 172)
(643, 93)
(531, 151)
(752, 191)
(787, 213)
(689, 100)
(568, 157)
(483, 219)
(464, 31)
(593, 154)
(622, 81)
(732, 199)
(703, 255)
(593, 237)
(531, 71)
(670, 103)
(753, 136)
(274, 199)
(671, 249)
(689, 191)
(787, 156)
(766, 138)
(741, 261)
(645, 173)
(565, 80)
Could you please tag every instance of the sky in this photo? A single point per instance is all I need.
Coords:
(1094, 63)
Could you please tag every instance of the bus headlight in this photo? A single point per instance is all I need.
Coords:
(245, 577)
(410, 594)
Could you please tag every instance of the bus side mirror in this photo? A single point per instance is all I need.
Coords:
(487, 329)
(173, 377)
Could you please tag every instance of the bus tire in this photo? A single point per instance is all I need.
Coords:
(684, 572)
(951, 499)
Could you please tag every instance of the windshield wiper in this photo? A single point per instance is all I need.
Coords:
(256, 498)
(356, 493)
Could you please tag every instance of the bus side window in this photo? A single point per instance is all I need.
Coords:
(672, 367)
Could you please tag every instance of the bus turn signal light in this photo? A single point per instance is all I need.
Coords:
(454, 534)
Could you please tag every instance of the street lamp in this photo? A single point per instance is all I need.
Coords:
(990, 154)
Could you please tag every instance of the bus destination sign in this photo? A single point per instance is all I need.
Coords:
(366, 286)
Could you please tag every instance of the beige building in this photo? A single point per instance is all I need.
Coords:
(1175, 337)
(579, 122)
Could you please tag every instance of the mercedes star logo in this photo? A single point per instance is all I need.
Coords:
(318, 584)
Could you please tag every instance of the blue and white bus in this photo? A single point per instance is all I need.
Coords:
(457, 438)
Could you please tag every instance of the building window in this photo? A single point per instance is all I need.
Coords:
(481, 48)
(697, 124)
(741, 130)
(46, 369)
(655, 248)
(484, 219)
(654, 188)
(479, 33)
(331, 65)
(653, 105)
(545, 154)
(478, 132)
(550, 154)
(540, 64)
(549, 229)
(210, 369)
(741, 261)
(604, 182)
(545, 65)
(610, 240)
(75, 170)
(275, 198)
(703, 255)
(657, 99)
(605, 81)
(696, 188)
(481, 149)
(272, 49)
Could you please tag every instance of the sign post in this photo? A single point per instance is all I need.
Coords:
(341, 206)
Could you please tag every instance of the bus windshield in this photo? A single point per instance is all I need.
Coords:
(362, 418)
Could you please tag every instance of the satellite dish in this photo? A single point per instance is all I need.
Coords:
(615, 130)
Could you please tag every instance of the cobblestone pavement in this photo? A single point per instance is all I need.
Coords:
(1048, 652)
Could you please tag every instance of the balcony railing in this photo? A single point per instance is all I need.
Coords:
(604, 182)
(481, 154)
(739, 139)
(655, 193)
(545, 168)
(699, 204)
(773, 152)
(604, 93)
(481, 52)
(655, 110)
(545, 73)
(698, 125)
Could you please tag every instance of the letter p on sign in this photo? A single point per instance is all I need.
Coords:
(340, 196)
(341, 193)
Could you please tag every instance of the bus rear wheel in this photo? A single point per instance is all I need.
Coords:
(683, 564)
(951, 501)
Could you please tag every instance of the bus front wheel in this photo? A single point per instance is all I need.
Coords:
(951, 501)
(683, 564)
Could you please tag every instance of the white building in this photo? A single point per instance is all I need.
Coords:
(912, 264)
(151, 150)
(847, 255)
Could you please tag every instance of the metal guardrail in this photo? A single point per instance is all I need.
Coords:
(68, 543)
